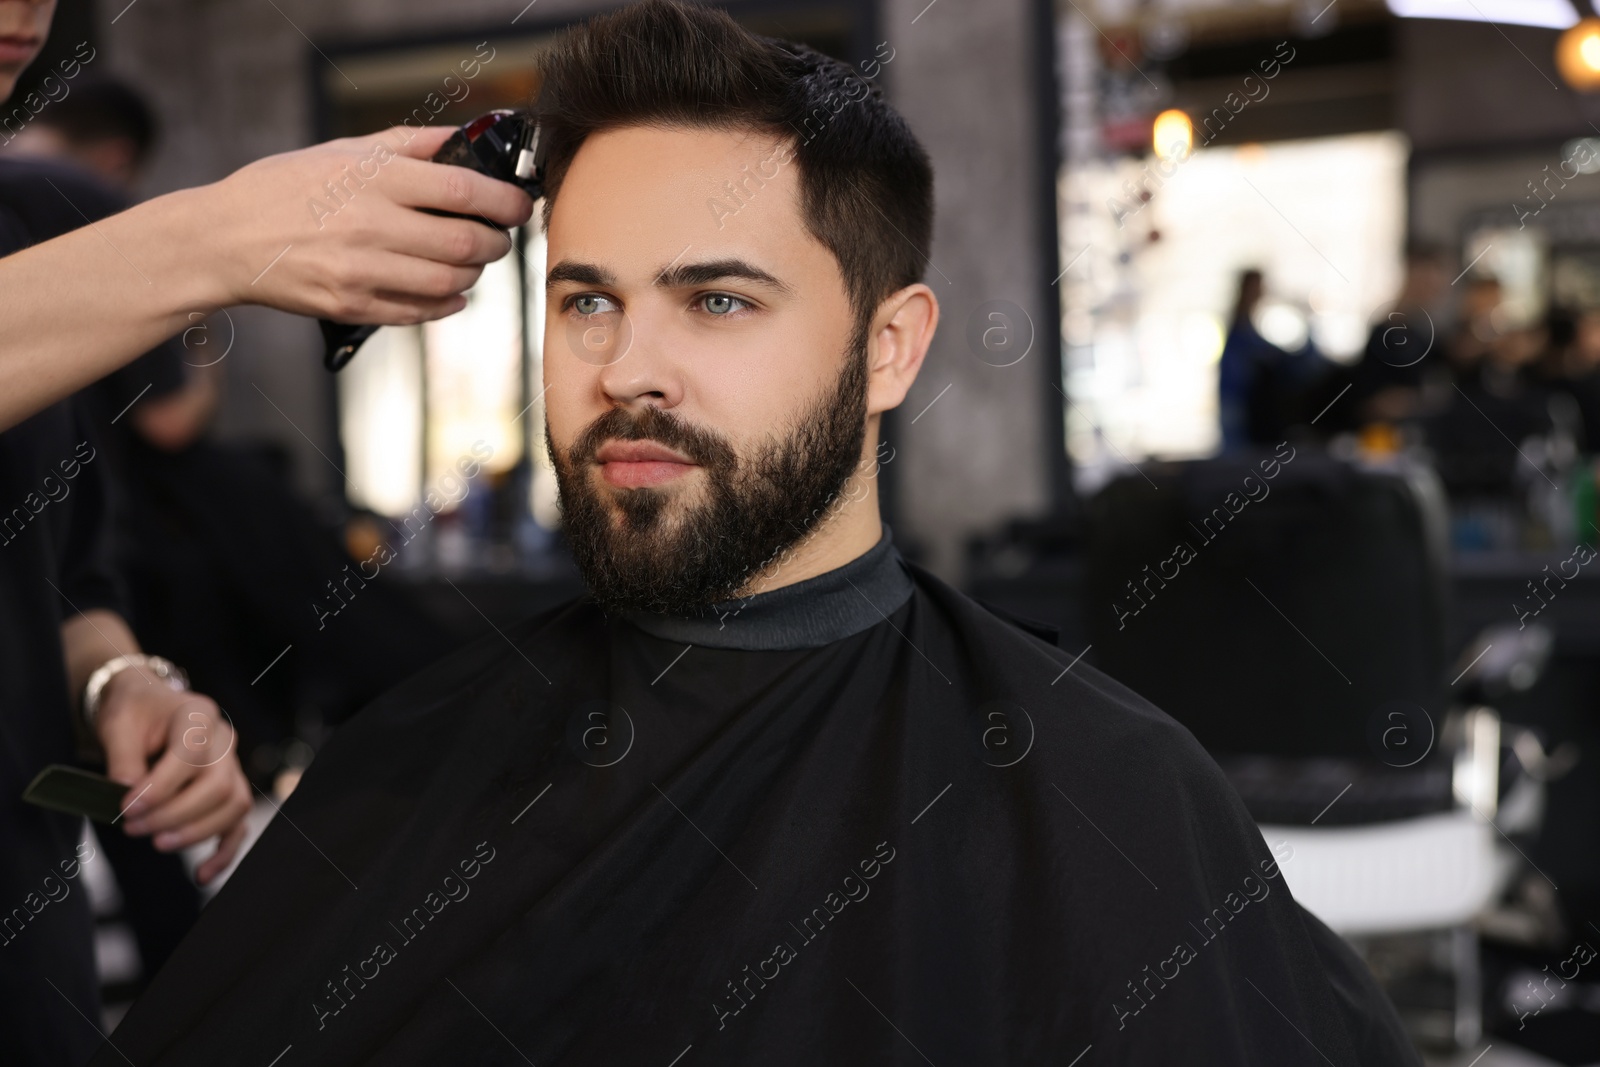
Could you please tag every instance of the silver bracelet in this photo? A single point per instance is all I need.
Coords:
(162, 668)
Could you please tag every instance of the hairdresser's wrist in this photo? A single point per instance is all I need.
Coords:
(185, 243)
(217, 239)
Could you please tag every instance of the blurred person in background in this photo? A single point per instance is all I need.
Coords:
(1262, 388)
(1480, 323)
(1571, 367)
(1482, 441)
(102, 125)
(1402, 367)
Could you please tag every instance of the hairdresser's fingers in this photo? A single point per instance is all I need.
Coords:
(406, 277)
(446, 187)
(390, 309)
(461, 242)
(230, 808)
(322, 231)
(371, 284)
(186, 726)
(403, 157)
(206, 792)
(198, 772)
(423, 142)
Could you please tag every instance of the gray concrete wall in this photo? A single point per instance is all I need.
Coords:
(977, 456)
(231, 81)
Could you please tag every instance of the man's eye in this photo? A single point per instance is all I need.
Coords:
(592, 304)
(722, 303)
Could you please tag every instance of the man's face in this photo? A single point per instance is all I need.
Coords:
(23, 26)
(706, 386)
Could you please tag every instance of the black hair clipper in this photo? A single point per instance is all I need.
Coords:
(503, 144)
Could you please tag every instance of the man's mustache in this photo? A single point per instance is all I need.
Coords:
(700, 446)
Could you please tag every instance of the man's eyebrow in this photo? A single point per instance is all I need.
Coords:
(673, 276)
(683, 275)
(582, 273)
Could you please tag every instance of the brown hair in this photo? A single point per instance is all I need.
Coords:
(866, 185)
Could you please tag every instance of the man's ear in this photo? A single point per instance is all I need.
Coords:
(902, 329)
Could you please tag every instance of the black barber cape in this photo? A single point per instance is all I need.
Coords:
(862, 820)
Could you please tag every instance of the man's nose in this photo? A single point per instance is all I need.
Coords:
(639, 368)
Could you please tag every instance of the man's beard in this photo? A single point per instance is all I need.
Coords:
(652, 557)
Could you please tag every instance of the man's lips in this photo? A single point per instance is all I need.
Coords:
(16, 49)
(638, 464)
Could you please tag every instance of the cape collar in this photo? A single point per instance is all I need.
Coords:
(808, 614)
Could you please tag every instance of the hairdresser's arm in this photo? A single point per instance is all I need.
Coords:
(77, 307)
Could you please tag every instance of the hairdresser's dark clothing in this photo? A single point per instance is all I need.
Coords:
(54, 562)
(157, 374)
(159, 899)
(860, 821)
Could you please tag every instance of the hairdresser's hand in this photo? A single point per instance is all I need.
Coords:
(331, 231)
(272, 233)
(178, 756)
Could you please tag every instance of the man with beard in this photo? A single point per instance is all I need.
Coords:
(768, 794)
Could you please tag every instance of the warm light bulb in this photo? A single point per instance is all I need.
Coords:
(1172, 135)
(1589, 50)
(1578, 55)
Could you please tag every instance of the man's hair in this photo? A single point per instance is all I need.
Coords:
(866, 186)
(101, 109)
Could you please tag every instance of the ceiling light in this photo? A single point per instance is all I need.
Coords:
(1550, 14)
(1578, 55)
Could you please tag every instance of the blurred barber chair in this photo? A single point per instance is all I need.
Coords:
(1292, 614)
